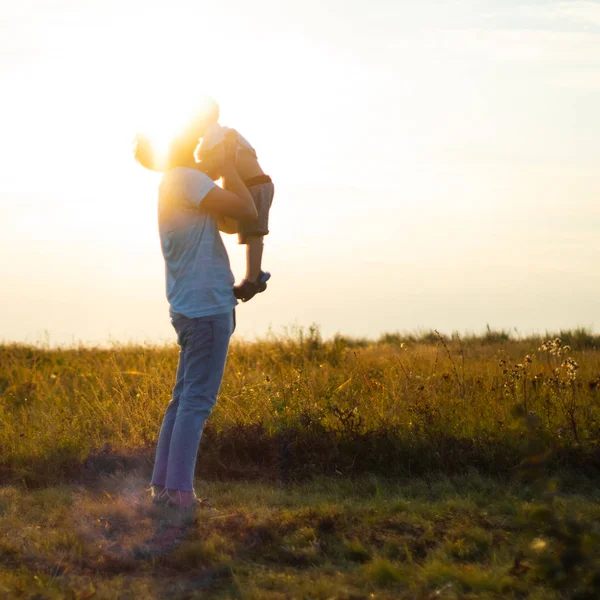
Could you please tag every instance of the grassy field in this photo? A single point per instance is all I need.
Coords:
(410, 467)
(460, 537)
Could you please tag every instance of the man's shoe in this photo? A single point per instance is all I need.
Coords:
(158, 494)
(199, 504)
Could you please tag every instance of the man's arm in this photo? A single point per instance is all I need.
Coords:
(234, 201)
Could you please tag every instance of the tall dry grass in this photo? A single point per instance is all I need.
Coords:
(405, 404)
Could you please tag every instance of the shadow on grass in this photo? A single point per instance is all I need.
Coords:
(254, 453)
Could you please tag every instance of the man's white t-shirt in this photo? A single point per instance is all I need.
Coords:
(198, 274)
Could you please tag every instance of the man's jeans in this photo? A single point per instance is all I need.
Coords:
(204, 342)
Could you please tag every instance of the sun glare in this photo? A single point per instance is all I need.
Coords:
(174, 120)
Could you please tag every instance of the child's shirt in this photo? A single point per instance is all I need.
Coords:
(215, 135)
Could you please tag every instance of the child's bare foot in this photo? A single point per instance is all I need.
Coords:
(248, 289)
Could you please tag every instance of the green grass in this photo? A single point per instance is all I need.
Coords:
(438, 537)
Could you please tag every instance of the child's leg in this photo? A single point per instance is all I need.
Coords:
(252, 233)
(254, 252)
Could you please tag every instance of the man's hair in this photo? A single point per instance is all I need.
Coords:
(144, 153)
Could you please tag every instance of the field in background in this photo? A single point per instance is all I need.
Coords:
(412, 467)
(292, 407)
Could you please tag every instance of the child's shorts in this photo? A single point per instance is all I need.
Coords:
(262, 191)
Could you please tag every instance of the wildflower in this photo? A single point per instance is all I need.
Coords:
(538, 545)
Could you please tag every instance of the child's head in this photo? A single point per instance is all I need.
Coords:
(206, 114)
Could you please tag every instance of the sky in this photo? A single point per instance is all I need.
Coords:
(436, 164)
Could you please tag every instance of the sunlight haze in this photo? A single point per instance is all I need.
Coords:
(435, 165)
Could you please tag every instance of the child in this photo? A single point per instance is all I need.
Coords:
(260, 186)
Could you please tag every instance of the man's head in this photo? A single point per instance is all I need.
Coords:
(181, 152)
(181, 149)
(183, 145)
